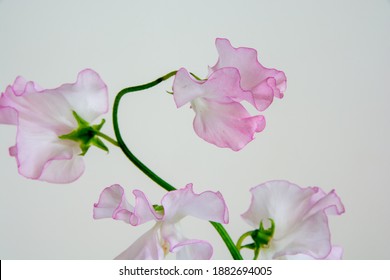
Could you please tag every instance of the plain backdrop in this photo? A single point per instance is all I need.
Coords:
(331, 130)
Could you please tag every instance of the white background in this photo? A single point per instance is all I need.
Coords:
(331, 130)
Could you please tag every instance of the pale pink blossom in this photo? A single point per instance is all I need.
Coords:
(166, 235)
(264, 83)
(238, 76)
(300, 216)
(220, 119)
(42, 116)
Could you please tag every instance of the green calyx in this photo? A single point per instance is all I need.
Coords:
(261, 238)
(158, 208)
(86, 135)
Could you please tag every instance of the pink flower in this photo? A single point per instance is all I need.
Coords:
(220, 118)
(42, 116)
(262, 82)
(300, 217)
(165, 236)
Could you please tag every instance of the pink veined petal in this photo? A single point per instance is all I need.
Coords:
(226, 125)
(88, 96)
(19, 85)
(185, 249)
(42, 116)
(143, 210)
(222, 86)
(62, 171)
(185, 88)
(335, 254)
(113, 204)
(254, 76)
(184, 202)
(193, 249)
(37, 151)
(329, 203)
(8, 115)
(220, 118)
(147, 247)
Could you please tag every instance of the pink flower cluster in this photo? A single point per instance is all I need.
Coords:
(165, 236)
(300, 216)
(54, 132)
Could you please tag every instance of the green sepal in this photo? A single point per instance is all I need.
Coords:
(263, 236)
(86, 135)
(251, 246)
(196, 77)
(158, 208)
(260, 236)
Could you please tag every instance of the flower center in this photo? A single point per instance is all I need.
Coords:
(165, 246)
(199, 105)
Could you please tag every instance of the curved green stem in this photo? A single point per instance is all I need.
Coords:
(118, 135)
(228, 241)
(241, 239)
(165, 185)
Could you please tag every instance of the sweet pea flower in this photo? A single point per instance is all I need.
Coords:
(165, 236)
(220, 119)
(264, 83)
(296, 220)
(46, 121)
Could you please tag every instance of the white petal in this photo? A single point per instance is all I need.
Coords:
(147, 247)
(183, 202)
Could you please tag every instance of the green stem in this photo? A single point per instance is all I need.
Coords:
(122, 145)
(154, 177)
(108, 138)
(228, 241)
(242, 238)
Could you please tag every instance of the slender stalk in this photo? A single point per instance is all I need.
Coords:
(154, 177)
(108, 138)
(242, 238)
(228, 241)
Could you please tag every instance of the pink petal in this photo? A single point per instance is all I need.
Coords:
(335, 254)
(221, 86)
(113, 203)
(88, 96)
(300, 216)
(185, 249)
(219, 119)
(185, 88)
(143, 210)
(8, 115)
(41, 155)
(263, 82)
(62, 170)
(193, 250)
(207, 205)
(42, 116)
(147, 247)
(226, 125)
